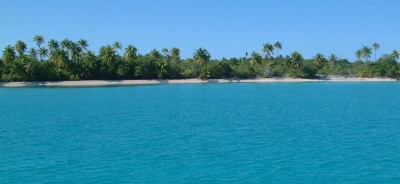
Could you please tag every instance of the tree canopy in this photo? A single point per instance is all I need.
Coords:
(72, 60)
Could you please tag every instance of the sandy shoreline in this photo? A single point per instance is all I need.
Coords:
(89, 83)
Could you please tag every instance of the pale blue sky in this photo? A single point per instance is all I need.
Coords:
(224, 27)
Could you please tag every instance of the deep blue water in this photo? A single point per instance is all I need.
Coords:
(202, 133)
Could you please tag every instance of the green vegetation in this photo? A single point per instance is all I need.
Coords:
(69, 60)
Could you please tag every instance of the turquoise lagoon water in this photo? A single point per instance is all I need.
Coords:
(202, 133)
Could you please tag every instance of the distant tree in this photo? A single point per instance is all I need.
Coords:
(395, 54)
(130, 52)
(165, 52)
(319, 60)
(61, 59)
(175, 54)
(38, 39)
(332, 59)
(20, 47)
(359, 54)
(277, 46)
(32, 53)
(295, 59)
(53, 46)
(117, 46)
(366, 52)
(201, 56)
(376, 47)
(8, 54)
(76, 52)
(108, 55)
(66, 44)
(255, 59)
(83, 44)
(43, 52)
(268, 49)
(155, 54)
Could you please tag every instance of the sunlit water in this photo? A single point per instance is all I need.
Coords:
(207, 133)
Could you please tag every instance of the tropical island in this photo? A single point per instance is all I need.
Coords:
(67, 60)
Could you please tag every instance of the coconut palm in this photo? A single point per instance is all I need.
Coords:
(201, 56)
(66, 44)
(32, 53)
(155, 54)
(76, 52)
(117, 46)
(20, 47)
(376, 47)
(161, 67)
(277, 46)
(108, 55)
(268, 49)
(332, 59)
(8, 54)
(88, 62)
(39, 40)
(295, 59)
(255, 59)
(53, 45)
(366, 52)
(395, 55)
(165, 52)
(83, 44)
(61, 59)
(30, 67)
(130, 52)
(175, 54)
(43, 52)
(319, 60)
(359, 54)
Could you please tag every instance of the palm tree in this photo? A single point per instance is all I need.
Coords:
(66, 44)
(376, 47)
(38, 39)
(165, 52)
(43, 52)
(295, 59)
(29, 69)
(53, 46)
(8, 54)
(107, 55)
(130, 52)
(175, 54)
(332, 59)
(359, 54)
(20, 47)
(255, 59)
(161, 65)
(76, 52)
(155, 54)
(33, 54)
(366, 52)
(319, 60)
(88, 62)
(117, 46)
(268, 49)
(61, 59)
(83, 44)
(201, 56)
(277, 46)
(395, 55)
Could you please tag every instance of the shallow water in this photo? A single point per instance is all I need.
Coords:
(226, 133)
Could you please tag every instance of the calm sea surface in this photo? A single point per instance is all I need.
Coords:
(202, 133)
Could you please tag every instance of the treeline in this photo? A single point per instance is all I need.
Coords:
(69, 60)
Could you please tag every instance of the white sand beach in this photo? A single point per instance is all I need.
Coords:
(89, 83)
